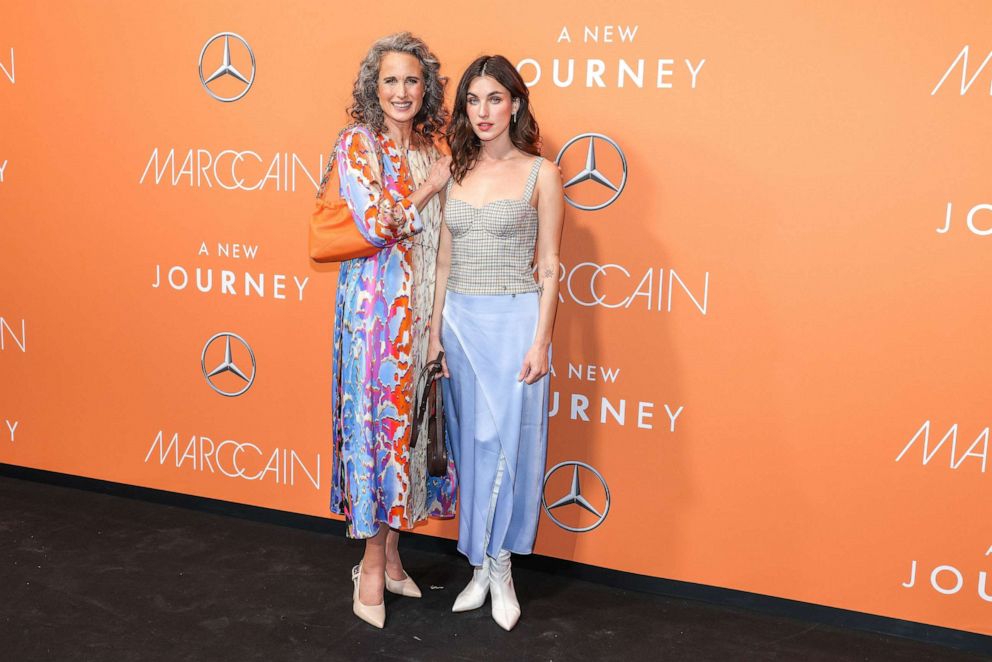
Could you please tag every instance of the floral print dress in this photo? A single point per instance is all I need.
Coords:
(382, 315)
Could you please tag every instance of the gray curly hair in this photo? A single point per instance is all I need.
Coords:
(365, 107)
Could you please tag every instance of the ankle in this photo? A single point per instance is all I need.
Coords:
(395, 572)
(374, 568)
(499, 567)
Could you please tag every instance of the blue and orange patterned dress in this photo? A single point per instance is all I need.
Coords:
(381, 320)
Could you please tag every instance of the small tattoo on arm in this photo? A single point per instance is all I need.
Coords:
(548, 273)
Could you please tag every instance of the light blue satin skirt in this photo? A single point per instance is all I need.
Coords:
(497, 427)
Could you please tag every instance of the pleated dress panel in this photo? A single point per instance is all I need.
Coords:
(379, 342)
(438, 495)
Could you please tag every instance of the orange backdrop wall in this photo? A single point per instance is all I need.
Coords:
(772, 357)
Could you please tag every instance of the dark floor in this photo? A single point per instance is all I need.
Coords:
(88, 576)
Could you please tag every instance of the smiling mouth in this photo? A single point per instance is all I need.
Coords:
(402, 105)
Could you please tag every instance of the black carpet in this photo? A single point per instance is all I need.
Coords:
(89, 576)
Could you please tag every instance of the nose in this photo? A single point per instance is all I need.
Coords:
(483, 110)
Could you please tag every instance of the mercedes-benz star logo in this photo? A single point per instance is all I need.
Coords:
(226, 67)
(228, 364)
(575, 497)
(590, 173)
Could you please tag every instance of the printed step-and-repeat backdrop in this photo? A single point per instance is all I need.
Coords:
(772, 359)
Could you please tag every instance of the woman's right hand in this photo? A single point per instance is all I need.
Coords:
(440, 173)
(433, 349)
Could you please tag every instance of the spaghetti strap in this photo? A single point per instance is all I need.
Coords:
(532, 180)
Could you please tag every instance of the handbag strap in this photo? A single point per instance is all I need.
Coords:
(431, 370)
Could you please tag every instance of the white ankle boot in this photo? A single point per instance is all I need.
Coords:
(474, 595)
(506, 609)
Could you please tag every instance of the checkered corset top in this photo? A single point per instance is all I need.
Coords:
(492, 246)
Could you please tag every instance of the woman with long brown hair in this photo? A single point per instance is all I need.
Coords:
(503, 216)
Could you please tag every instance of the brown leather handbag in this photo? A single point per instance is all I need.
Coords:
(429, 401)
(334, 235)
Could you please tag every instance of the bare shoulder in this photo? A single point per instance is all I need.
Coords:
(549, 177)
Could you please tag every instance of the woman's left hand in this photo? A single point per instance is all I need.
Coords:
(434, 348)
(535, 364)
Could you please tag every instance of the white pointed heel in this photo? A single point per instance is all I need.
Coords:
(506, 608)
(371, 614)
(405, 586)
(474, 594)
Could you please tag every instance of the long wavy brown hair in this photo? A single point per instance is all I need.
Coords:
(524, 132)
(367, 110)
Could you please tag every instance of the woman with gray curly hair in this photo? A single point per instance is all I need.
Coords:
(391, 173)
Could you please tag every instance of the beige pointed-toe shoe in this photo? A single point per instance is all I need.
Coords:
(405, 586)
(371, 614)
